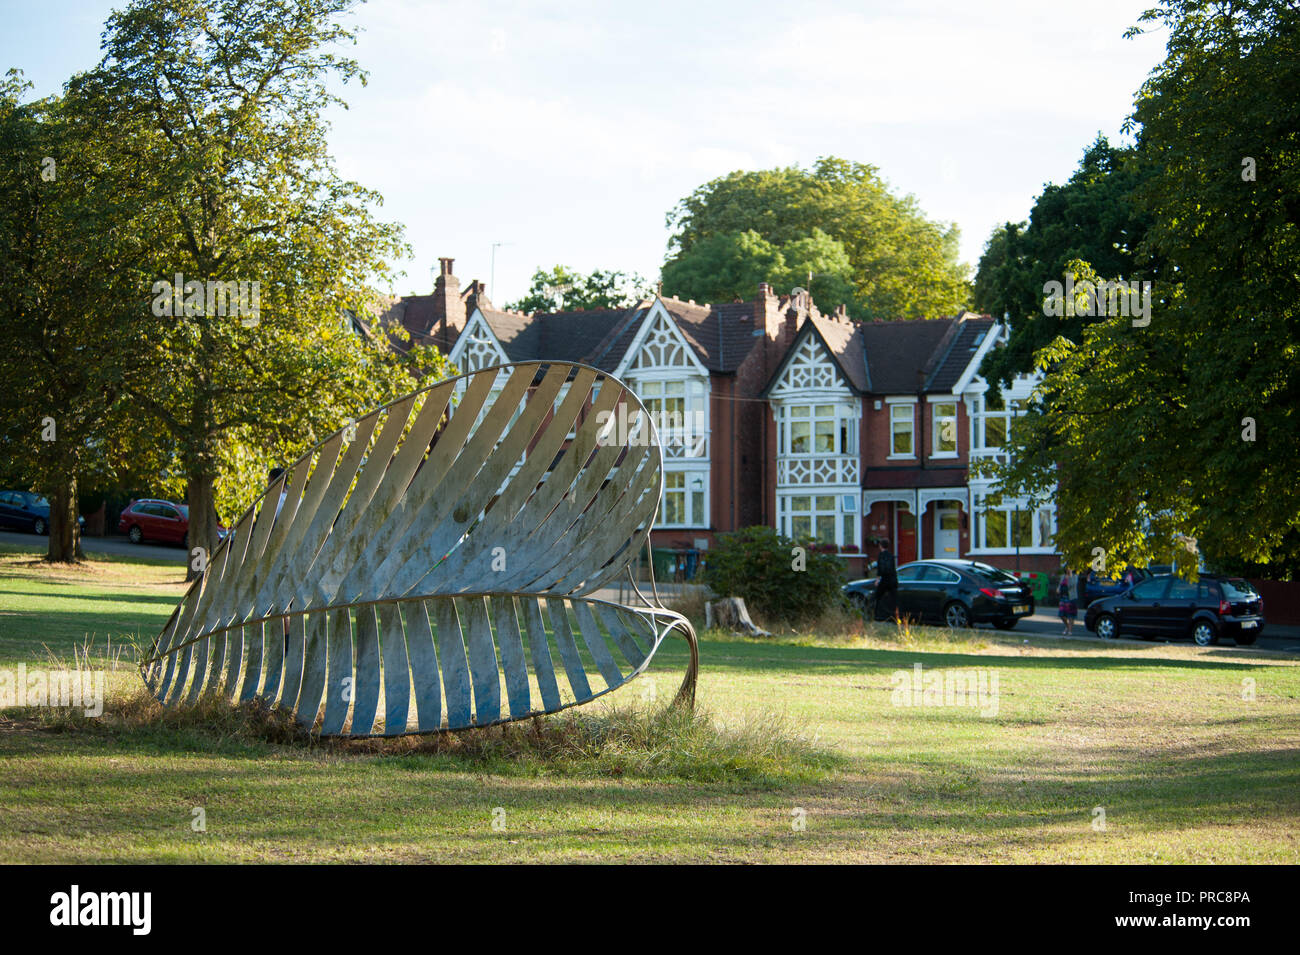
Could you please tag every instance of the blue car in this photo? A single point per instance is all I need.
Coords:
(26, 511)
(1096, 586)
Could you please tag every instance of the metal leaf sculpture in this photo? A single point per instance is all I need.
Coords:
(429, 567)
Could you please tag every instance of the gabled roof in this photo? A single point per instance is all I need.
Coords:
(951, 359)
(842, 342)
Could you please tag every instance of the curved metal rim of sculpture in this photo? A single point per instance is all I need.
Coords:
(466, 464)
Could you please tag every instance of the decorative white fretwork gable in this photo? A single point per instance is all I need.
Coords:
(477, 347)
(809, 369)
(660, 346)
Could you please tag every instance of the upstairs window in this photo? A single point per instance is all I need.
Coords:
(817, 429)
(945, 427)
(902, 429)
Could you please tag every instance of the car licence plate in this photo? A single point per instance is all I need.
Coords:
(1024, 608)
(1248, 624)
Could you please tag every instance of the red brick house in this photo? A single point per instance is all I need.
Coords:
(823, 427)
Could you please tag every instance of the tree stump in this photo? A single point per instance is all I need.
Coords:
(730, 613)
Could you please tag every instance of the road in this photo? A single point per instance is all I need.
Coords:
(101, 545)
(1040, 624)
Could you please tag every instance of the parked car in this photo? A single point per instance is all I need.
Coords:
(1169, 606)
(158, 520)
(1096, 586)
(956, 592)
(26, 511)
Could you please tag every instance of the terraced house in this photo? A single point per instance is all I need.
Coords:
(825, 428)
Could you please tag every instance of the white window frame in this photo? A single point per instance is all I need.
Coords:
(691, 440)
(690, 494)
(893, 404)
(844, 427)
(845, 506)
(935, 402)
(1037, 545)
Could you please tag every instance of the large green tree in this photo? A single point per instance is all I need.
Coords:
(77, 218)
(721, 264)
(901, 264)
(562, 288)
(1189, 425)
(1094, 217)
(232, 94)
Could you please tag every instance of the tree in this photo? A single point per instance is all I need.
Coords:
(561, 288)
(777, 577)
(1096, 218)
(1188, 425)
(75, 228)
(265, 249)
(721, 264)
(901, 265)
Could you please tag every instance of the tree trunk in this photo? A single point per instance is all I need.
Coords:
(65, 533)
(201, 496)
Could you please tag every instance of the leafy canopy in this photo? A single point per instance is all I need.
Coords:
(899, 263)
(563, 289)
(1189, 425)
(759, 565)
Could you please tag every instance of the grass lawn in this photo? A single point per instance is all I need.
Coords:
(1165, 739)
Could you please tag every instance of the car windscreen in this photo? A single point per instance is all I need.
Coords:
(38, 501)
(1238, 589)
(184, 509)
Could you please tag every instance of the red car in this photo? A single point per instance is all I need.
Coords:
(157, 520)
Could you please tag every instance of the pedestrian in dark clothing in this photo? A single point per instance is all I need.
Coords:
(887, 586)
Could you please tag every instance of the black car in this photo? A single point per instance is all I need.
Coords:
(957, 592)
(1169, 606)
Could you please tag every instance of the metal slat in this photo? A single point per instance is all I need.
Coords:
(511, 646)
(340, 683)
(568, 650)
(595, 641)
(424, 667)
(540, 652)
(253, 669)
(366, 690)
(482, 654)
(293, 663)
(622, 634)
(455, 668)
(315, 659)
(397, 673)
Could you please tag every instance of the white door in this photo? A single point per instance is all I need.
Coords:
(947, 530)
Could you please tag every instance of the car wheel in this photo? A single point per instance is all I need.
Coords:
(1006, 624)
(1107, 627)
(185, 540)
(38, 526)
(956, 615)
(1204, 633)
(135, 535)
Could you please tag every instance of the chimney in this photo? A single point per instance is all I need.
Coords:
(477, 297)
(767, 315)
(448, 306)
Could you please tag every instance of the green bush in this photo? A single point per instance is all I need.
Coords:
(758, 565)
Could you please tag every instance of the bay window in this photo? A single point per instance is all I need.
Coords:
(684, 502)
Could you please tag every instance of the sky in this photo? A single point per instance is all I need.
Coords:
(564, 132)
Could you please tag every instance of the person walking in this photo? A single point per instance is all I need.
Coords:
(887, 587)
(1067, 593)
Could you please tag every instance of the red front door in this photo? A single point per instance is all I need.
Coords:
(904, 534)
